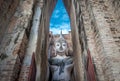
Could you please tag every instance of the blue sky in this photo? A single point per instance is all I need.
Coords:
(59, 19)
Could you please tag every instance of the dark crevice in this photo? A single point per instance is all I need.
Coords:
(15, 41)
(3, 56)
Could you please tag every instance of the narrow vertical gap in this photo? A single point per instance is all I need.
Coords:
(60, 51)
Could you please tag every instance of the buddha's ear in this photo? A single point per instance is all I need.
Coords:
(53, 52)
(70, 52)
(66, 52)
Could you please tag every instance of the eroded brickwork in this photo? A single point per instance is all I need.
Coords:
(15, 39)
(95, 25)
(115, 20)
(102, 31)
(7, 10)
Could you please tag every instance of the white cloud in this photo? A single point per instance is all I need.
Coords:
(65, 31)
(57, 30)
(65, 26)
(60, 26)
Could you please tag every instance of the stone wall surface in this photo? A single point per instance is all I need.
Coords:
(104, 20)
(115, 20)
(7, 10)
(14, 42)
(92, 37)
(95, 26)
(101, 41)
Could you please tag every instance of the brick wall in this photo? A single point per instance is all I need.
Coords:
(95, 26)
(14, 42)
(7, 10)
(115, 20)
(98, 20)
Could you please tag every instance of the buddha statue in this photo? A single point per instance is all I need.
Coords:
(61, 64)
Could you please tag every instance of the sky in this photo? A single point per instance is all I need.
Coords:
(59, 19)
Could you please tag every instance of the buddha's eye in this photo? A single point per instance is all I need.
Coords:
(64, 44)
(57, 44)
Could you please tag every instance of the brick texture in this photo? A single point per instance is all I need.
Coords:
(95, 25)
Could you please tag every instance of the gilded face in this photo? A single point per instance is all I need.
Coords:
(61, 46)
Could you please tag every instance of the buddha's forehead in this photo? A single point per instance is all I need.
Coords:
(61, 41)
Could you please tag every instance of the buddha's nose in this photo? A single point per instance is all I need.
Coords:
(61, 48)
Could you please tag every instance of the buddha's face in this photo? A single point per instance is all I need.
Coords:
(60, 46)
